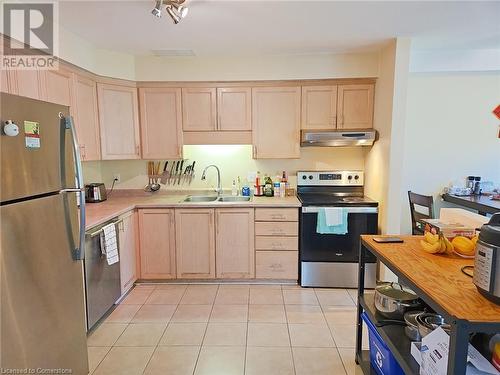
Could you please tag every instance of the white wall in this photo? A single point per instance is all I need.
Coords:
(266, 67)
(78, 51)
(233, 161)
(450, 133)
(383, 161)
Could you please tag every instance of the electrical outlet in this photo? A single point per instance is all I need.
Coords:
(117, 178)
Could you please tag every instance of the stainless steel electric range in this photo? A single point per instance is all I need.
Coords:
(331, 260)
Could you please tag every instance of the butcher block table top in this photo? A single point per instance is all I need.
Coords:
(438, 276)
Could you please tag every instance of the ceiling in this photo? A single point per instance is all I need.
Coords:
(284, 27)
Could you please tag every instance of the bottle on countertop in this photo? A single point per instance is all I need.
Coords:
(284, 184)
(276, 186)
(268, 186)
(234, 189)
(258, 192)
(477, 186)
(239, 186)
(245, 190)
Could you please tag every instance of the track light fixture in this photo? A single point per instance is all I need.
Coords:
(175, 9)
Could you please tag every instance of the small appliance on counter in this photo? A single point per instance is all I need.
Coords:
(95, 192)
(487, 260)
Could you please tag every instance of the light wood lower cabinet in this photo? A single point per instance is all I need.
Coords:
(127, 238)
(276, 243)
(235, 254)
(157, 243)
(276, 264)
(195, 243)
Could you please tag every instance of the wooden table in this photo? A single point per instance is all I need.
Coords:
(481, 203)
(439, 282)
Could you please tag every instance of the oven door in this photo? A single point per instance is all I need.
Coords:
(315, 247)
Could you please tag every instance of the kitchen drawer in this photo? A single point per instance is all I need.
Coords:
(276, 264)
(276, 214)
(276, 228)
(276, 243)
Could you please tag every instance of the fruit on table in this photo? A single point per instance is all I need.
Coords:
(436, 244)
(430, 248)
(464, 245)
(431, 238)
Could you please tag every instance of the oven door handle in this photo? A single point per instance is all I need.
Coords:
(350, 210)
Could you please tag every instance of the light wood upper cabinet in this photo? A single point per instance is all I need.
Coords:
(276, 122)
(157, 243)
(199, 106)
(118, 121)
(234, 109)
(27, 83)
(161, 123)
(355, 106)
(127, 242)
(235, 250)
(195, 243)
(4, 81)
(57, 86)
(86, 118)
(319, 107)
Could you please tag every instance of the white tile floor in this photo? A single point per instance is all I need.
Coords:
(227, 329)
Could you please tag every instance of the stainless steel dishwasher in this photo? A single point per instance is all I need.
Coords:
(102, 281)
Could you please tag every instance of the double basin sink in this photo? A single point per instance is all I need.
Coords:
(215, 198)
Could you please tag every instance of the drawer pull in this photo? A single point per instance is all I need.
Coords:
(277, 217)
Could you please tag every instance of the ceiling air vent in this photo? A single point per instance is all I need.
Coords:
(173, 52)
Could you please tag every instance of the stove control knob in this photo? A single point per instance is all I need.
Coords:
(356, 177)
(310, 176)
(349, 177)
(304, 177)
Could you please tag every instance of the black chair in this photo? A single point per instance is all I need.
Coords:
(425, 201)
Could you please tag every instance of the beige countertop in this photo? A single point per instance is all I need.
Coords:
(120, 202)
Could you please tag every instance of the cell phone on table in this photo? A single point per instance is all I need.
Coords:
(388, 239)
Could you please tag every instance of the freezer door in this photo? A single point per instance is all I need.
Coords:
(42, 295)
(31, 161)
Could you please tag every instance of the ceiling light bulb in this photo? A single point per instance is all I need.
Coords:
(157, 9)
(172, 14)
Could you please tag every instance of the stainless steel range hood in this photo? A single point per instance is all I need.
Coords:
(338, 138)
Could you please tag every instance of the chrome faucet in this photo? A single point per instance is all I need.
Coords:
(204, 177)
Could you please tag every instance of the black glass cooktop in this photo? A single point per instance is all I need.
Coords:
(327, 199)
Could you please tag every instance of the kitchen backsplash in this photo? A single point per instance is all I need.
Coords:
(233, 161)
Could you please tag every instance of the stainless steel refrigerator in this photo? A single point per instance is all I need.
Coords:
(42, 235)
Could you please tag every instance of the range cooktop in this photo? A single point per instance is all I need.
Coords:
(332, 188)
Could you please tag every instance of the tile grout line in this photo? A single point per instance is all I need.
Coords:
(165, 330)
(128, 324)
(206, 329)
(246, 341)
(288, 329)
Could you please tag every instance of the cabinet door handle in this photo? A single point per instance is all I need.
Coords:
(137, 149)
(254, 151)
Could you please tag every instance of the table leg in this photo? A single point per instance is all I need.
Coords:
(459, 345)
(361, 289)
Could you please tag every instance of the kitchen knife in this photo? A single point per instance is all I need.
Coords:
(171, 172)
(180, 172)
(164, 175)
(185, 174)
(191, 172)
(177, 163)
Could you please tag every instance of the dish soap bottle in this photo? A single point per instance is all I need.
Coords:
(234, 189)
(268, 187)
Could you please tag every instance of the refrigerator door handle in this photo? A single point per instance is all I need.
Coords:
(79, 252)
